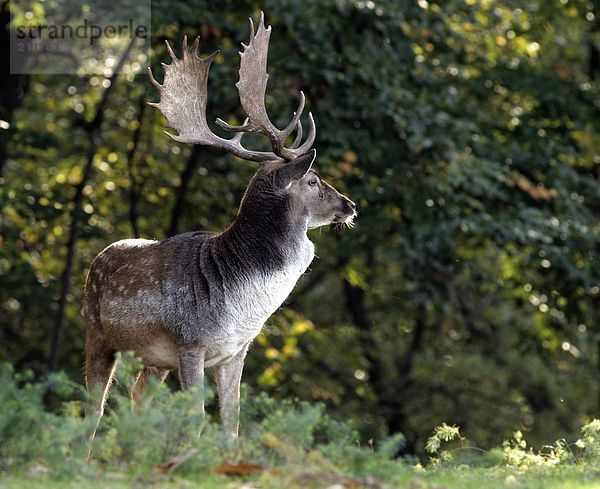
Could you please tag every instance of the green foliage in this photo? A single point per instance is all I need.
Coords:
(29, 433)
(590, 440)
(442, 433)
(276, 434)
(517, 454)
(298, 445)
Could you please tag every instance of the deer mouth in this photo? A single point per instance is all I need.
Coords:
(345, 218)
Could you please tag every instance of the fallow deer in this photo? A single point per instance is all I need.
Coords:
(197, 300)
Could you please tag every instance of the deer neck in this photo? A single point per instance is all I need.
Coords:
(271, 238)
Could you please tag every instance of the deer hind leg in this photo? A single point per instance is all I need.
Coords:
(160, 374)
(100, 364)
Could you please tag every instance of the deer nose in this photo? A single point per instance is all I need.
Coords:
(351, 205)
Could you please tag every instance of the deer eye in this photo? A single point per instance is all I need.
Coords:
(312, 182)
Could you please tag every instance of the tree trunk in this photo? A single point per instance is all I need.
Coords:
(180, 193)
(12, 87)
(133, 185)
(355, 303)
(404, 370)
(92, 130)
(594, 52)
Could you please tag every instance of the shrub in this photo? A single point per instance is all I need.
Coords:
(292, 434)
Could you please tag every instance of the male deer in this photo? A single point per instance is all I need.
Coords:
(198, 300)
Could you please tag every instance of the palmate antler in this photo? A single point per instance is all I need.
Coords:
(183, 98)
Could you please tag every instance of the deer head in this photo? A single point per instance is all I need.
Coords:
(285, 176)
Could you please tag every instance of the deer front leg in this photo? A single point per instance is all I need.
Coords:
(191, 374)
(229, 376)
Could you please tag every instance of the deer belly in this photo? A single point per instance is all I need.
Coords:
(159, 351)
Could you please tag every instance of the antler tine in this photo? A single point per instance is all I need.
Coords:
(156, 85)
(171, 53)
(195, 46)
(252, 87)
(228, 127)
(310, 139)
(183, 99)
(262, 18)
(296, 118)
(298, 137)
(238, 137)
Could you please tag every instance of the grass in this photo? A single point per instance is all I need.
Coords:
(292, 477)
(289, 444)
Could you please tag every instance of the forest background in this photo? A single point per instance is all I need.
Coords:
(467, 131)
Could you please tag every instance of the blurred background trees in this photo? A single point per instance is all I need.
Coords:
(466, 130)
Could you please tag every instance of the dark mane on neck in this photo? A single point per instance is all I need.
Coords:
(265, 233)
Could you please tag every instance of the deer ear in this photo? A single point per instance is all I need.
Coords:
(295, 169)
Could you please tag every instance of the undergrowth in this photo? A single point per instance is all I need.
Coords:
(288, 443)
